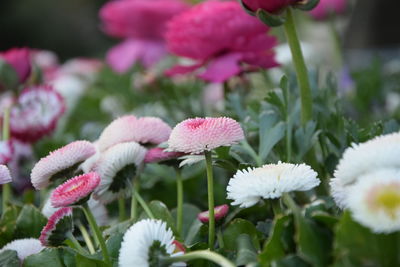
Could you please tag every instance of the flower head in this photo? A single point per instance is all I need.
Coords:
(374, 200)
(61, 161)
(36, 113)
(220, 36)
(144, 242)
(159, 154)
(24, 247)
(247, 187)
(326, 7)
(132, 129)
(204, 134)
(116, 167)
(74, 190)
(271, 6)
(19, 60)
(5, 175)
(219, 213)
(6, 151)
(58, 225)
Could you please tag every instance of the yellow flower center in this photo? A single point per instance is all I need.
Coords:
(388, 199)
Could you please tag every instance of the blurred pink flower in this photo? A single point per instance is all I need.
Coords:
(132, 129)
(36, 113)
(19, 59)
(84, 67)
(142, 23)
(219, 36)
(204, 134)
(51, 228)
(5, 175)
(272, 6)
(6, 151)
(327, 7)
(74, 190)
(60, 160)
(219, 213)
(159, 154)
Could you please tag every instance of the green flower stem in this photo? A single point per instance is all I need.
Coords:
(288, 200)
(134, 204)
(78, 246)
(87, 238)
(143, 204)
(300, 67)
(6, 196)
(220, 238)
(179, 208)
(276, 206)
(201, 254)
(6, 137)
(210, 187)
(121, 209)
(96, 230)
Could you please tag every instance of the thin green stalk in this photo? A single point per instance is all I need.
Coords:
(300, 67)
(201, 254)
(96, 230)
(220, 238)
(210, 188)
(78, 246)
(276, 206)
(121, 209)
(87, 238)
(143, 204)
(288, 200)
(6, 137)
(134, 204)
(179, 207)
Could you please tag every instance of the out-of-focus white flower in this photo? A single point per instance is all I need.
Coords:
(24, 247)
(5, 175)
(339, 192)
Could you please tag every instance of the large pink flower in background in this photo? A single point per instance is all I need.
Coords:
(271, 6)
(220, 36)
(19, 59)
(36, 113)
(142, 23)
(327, 7)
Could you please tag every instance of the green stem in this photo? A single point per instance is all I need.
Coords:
(276, 206)
(291, 204)
(78, 246)
(143, 204)
(300, 67)
(6, 196)
(179, 208)
(6, 137)
(220, 238)
(134, 204)
(201, 254)
(210, 187)
(87, 238)
(96, 230)
(121, 209)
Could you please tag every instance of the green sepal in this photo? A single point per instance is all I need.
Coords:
(269, 19)
(247, 9)
(8, 76)
(307, 5)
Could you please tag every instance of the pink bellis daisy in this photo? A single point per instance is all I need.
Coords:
(19, 60)
(24, 247)
(219, 212)
(5, 175)
(57, 227)
(132, 129)
(142, 24)
(6, 151)
(36, 113)
(75, 190)
(221, 37)
(328, 7)
(158, 154)
(61, 162)
(197, 135)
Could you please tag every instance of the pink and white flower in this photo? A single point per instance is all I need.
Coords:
(5, 175)
(36, 113)
(197, 135)
(24, 247)
(19, 60)
(159, 154)
(219, 213)
(60, 160)
(75, 190)
(6, 151)
(58, 225)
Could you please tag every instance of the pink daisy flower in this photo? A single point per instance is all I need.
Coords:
(19, 60)
(58, 225)
(220, 36)
(5, 175)
(219, 213)
(75, 190)
(159, 154)
(327, 7)
(132, 129)
(36, 113)
(143, 25)
(6, 151)
(61, 161)
(197, 135)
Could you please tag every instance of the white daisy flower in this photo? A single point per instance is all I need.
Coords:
(375, 200)
(24, 247)
(116, 167)
(247, 187)
(144, 241)
(5, 175)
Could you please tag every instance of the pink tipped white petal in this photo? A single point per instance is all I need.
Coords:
(132, 129)
(74, 190)
(204, 134)
(52, 224)
(59, 160)
(5, 175)
(159, 154)
(24, 247)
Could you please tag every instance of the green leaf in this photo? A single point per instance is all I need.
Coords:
(9, 258)
(238, 227)
(7, 224)
(54, 257)
(161, 212)
(290, 261)
(189, 220)
(8, 76)
(271, 132)
(83, 261)
(246, 253)
(113, 246)
(30, 222)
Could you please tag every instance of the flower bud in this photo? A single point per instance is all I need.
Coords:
(219, 213)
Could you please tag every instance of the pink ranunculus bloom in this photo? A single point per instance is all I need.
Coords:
(5, 175)
(19, 59)
(36, 113)
(219, 213)
(129, 128)
(54, 233)
(74, 190)
(142, 23)
(197, 135)
(159, 154)
(327, 7)
(271, 6)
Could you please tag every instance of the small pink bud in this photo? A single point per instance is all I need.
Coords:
(219, 213)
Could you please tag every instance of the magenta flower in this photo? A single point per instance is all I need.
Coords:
(36, 113)
(159, 154)
(220, 36)
(204, 134)
(58, 225)
(327, 7)
(271, 6)
(60, 161)
(132, 129)
(219, 213)
(74, 190)
(5, 175)
(6, 151)
(142, 23)
(19, 59)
